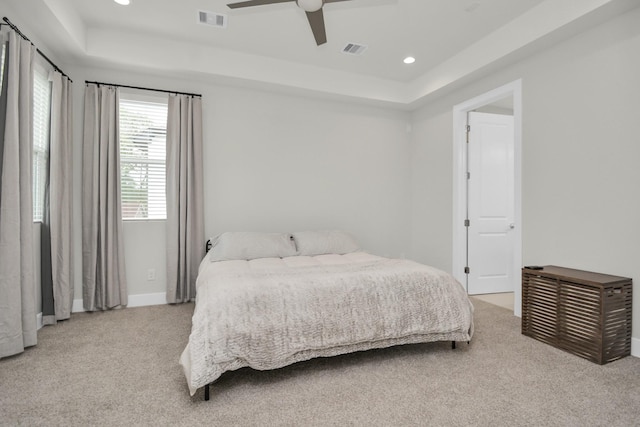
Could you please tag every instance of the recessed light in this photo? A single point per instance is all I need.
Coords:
(122, 2)
(409, 60)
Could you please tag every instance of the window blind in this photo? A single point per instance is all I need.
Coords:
(41, 124)
(143, 129)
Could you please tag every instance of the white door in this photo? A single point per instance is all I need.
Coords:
(490, 203)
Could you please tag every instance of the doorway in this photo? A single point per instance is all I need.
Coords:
(487, 236)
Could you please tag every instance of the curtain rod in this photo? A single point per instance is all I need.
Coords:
(145, 88)
(14, 28)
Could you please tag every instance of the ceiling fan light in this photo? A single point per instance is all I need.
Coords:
(122, 2)
(310, 5)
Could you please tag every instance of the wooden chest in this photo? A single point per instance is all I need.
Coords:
(587, 314)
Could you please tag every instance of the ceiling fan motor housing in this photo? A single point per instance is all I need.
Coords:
(310, 5)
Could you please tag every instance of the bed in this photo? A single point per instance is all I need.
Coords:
(267, 300)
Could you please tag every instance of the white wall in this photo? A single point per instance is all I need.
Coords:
(284, 164)
(275, 163)
(581, 149)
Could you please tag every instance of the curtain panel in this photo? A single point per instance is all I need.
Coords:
(57, 225)
(185, 197)
(103, 268)
(17, 286)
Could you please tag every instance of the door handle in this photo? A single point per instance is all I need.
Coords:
(512, 226)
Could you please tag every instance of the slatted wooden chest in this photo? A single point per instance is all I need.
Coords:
(587, 314)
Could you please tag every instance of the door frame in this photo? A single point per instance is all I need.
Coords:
(513, 90)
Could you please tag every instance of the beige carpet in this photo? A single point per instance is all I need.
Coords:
(121, 368)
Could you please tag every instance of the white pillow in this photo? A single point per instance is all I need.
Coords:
(311, 243)
(251, 245)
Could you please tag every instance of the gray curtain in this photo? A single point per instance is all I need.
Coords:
(103, 270)
(185, 204)
(17, 286)
(57, 229)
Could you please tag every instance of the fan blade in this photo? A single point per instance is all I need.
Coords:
(316, 20)
(334, 1)
(255, 3)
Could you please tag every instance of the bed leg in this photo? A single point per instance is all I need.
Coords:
(206, 392)
(453, 345)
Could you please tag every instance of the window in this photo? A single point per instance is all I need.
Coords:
(41, 124)
(143, 131)
(41, 127)
(2, 64)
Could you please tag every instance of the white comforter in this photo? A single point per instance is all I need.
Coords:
(268, 313)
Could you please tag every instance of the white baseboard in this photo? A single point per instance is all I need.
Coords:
(635, 347)
(140, 300)
(144, 300)
(77, 306)
(39, 324)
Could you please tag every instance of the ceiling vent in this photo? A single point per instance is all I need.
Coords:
(354, 49)
(214, 19)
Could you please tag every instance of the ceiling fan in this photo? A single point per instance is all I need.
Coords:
(313, 8)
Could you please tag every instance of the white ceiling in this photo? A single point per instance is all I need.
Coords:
(430, 30)
(272, 45)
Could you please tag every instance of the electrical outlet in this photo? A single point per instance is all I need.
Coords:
(151, 274)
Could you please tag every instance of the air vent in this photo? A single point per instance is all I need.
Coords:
(214, 19)
(354, 49)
